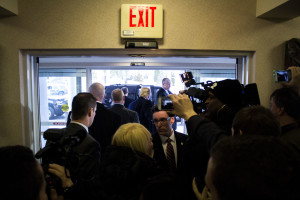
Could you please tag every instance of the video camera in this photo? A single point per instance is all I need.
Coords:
(58, 150)
(198, 96)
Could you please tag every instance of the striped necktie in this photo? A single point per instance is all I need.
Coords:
(171, 156)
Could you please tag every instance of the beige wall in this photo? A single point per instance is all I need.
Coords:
(88, 24)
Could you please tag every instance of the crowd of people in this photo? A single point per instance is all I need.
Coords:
(133, 152)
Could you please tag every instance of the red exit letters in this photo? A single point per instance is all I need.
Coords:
(142, 22)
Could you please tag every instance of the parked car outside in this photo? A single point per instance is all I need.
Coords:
(55, 107)
(57, 90)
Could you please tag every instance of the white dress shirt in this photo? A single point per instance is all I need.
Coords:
(173, 143)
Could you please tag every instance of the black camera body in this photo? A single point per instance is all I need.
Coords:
(198, 96)
(58, 150)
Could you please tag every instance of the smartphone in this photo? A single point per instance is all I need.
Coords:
(165, 103)
(282, 75)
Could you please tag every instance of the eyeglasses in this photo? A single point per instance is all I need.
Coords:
(163, 120)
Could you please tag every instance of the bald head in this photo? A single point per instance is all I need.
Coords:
(98, 91)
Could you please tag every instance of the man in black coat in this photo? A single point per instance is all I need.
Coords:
(143, 106)
(164, 91)
(105, 122)
(163, 124)
(127, 116)
(83, 152)
(127, 99)
(225, 99)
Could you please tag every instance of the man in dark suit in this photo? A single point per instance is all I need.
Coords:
(127, 116)
(84, 156)
(106, 122)
(164, 131)
(127, 99)
(164, 91)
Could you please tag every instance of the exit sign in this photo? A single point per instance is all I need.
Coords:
(141, 21)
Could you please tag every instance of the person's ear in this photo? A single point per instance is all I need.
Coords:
(281, 111)
(172, 120)
(91, 110)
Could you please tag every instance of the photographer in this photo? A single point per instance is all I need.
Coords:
(75, 156)
(203, 134)
(224, 101)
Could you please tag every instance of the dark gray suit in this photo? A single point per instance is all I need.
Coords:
(159, 154)
(127, 116)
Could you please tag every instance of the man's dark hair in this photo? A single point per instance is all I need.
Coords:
(117, 94)
(20, 175)
(125, 90)
(256, 120)
(155, 109)
(289, 100)
(81, 104)
(255, 167)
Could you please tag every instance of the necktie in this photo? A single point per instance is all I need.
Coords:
(171, 155)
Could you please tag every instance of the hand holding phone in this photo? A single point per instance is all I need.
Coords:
(282, 75)
(295, 82)
(164, 103)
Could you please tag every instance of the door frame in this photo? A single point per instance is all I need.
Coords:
(28, 69)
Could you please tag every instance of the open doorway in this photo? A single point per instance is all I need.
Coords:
(61, 78)
(53, 78)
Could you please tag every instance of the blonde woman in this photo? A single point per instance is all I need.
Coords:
(127, 163)
(143, 106)
(134, 136)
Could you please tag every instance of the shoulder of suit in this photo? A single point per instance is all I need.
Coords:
(156, 139)
(161, 90)
(100, 106)
(180, 134)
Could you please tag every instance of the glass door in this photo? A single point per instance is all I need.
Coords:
(57, 87)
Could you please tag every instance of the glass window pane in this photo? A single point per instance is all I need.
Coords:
(57, 87)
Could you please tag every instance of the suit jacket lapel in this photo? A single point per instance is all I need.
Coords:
(179, 144)
(159, 150)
